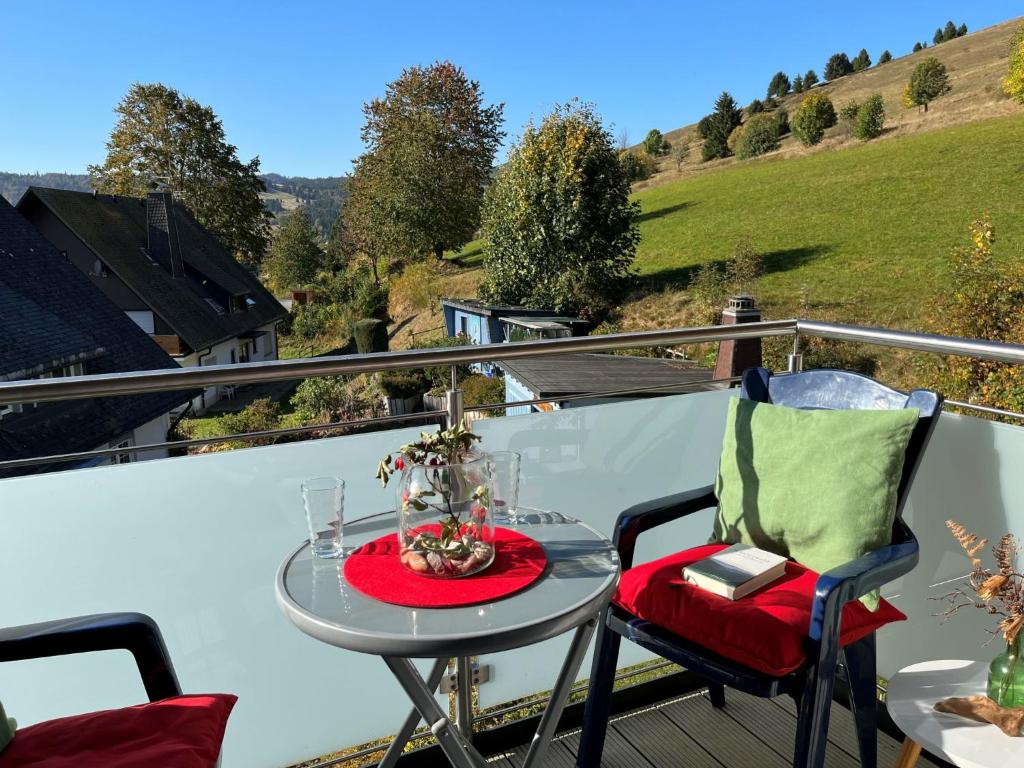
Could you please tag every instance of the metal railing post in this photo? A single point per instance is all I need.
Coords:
(796, 359)
(455, 407)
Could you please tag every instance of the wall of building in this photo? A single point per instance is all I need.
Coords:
(227, 353)
(154, 431)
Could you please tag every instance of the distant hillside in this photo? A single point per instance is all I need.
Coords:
(321, 197)
(976, 64)
(13, 185)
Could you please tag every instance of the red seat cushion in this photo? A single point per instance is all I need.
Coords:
(180, 732)
(765, 630)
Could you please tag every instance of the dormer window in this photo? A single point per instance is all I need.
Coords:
(98, 269)
(241, 303)
(216, 307)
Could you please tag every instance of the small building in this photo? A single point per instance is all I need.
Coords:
(521, 328)
(608, 378)
(55, 324)
(487, 323)
(166, 272)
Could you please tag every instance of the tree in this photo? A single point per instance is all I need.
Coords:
(755, 106)
(559, 230)
(928, 81)
(870, 118)
(655, 144)
(918, 47)
(837, 66)
(885, 58)
(849, 110)
(961, 30)
(430, 150)
(680, 152)
(779, 85)
(798, 84)
(810, 79)
(637, 165)
(162, 137)
(295, 256)
(949, 31)
(704, 126)
(1013, 83)
(760, 135)
(937, 38)
(815, 114)
(723, 120)
(861, 61)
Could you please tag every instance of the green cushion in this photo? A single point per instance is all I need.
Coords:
(7, 728)
(818, 486)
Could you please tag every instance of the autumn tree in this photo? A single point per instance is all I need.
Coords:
(559, 230)
(815, 114)
(295, 257)
(928, 81)
(164, 138)
(430, 146)
(1013, 83)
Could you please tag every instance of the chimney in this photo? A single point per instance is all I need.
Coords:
(734, 357)
(162, 244)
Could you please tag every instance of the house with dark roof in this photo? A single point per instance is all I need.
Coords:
(166, 272)
(53, 323)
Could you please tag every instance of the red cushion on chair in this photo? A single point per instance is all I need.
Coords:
(180, 732)
(765, 630)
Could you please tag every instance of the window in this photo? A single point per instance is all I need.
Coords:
(142, 318)
(464, 325)
(9, 408)
(215, 306)
(122, 458)
(98, 270)
(256, 346)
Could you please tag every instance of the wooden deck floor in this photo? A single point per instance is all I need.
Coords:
(688, 733)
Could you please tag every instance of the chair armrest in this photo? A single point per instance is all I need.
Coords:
(134, 632)
(651, 514)
(849, 581)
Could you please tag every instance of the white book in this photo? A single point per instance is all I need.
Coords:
(735, 571)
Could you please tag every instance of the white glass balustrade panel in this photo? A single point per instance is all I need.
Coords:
(592, 463)
(972, 473)
(195, 542)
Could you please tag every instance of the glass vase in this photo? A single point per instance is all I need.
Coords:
(445, 518)
(1006, 677)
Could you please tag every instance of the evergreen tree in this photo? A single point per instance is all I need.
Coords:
(961, 30)
(779, 85)
(755, 106)
(295, 256)
(810, 79)
(838, 66)
(430, 152)
(861, 61)
(655, 144)
(798, 84)
(949, 31)
(164, 137)
(724, 119)
(928, 81)
(938, 37)
(885, 58)
(918, 47)
(559, 230)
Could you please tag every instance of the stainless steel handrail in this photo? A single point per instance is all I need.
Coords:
(141, 382)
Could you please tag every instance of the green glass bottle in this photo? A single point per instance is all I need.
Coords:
(1006, 677)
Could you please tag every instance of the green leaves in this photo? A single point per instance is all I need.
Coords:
(295, 257)
(928, 81)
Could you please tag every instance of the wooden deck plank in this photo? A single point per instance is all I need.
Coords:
(721, 735)
(558, 756)
(663, 742)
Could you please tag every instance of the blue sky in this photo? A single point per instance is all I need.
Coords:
(288, 79)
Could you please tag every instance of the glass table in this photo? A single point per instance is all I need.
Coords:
(581, 575)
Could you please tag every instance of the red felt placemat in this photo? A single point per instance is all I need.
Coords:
(375, 570)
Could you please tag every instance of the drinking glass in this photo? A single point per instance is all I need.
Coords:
(505, 480)
(324, 499)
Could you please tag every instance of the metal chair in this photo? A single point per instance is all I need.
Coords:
(811, 686)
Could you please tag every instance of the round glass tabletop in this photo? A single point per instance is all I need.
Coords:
(582, 573)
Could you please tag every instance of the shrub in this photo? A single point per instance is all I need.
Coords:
(439, 377)
(259, 416)
(1013, 83)
(838, 66)
(781, 122)
(928, 82)
(369, 299)
(371, 336)
(849, 110)
(734, 138)
(744, 268)
(332, 398)
(814, 116)
(708, 289)
(755, 107)
(637, 166)
(655, 144)
(870, 118)
(402, 384)
(760, 135)
(311, 320)
(810, 79)
(885, 58)
(484, 390)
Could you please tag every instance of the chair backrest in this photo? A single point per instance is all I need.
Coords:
(838, 390)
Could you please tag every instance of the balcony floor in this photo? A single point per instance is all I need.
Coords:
(688, 733)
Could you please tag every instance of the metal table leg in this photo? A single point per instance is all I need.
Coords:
(464, 697)
(405, 732)
(560, 694)
(458, 749)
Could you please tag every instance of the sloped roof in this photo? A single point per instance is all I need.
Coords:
(578, 374)
(51, 316)
(114, 227)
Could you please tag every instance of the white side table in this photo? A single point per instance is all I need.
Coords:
(911, 697)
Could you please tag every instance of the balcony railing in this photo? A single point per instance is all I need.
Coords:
(195, 541)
